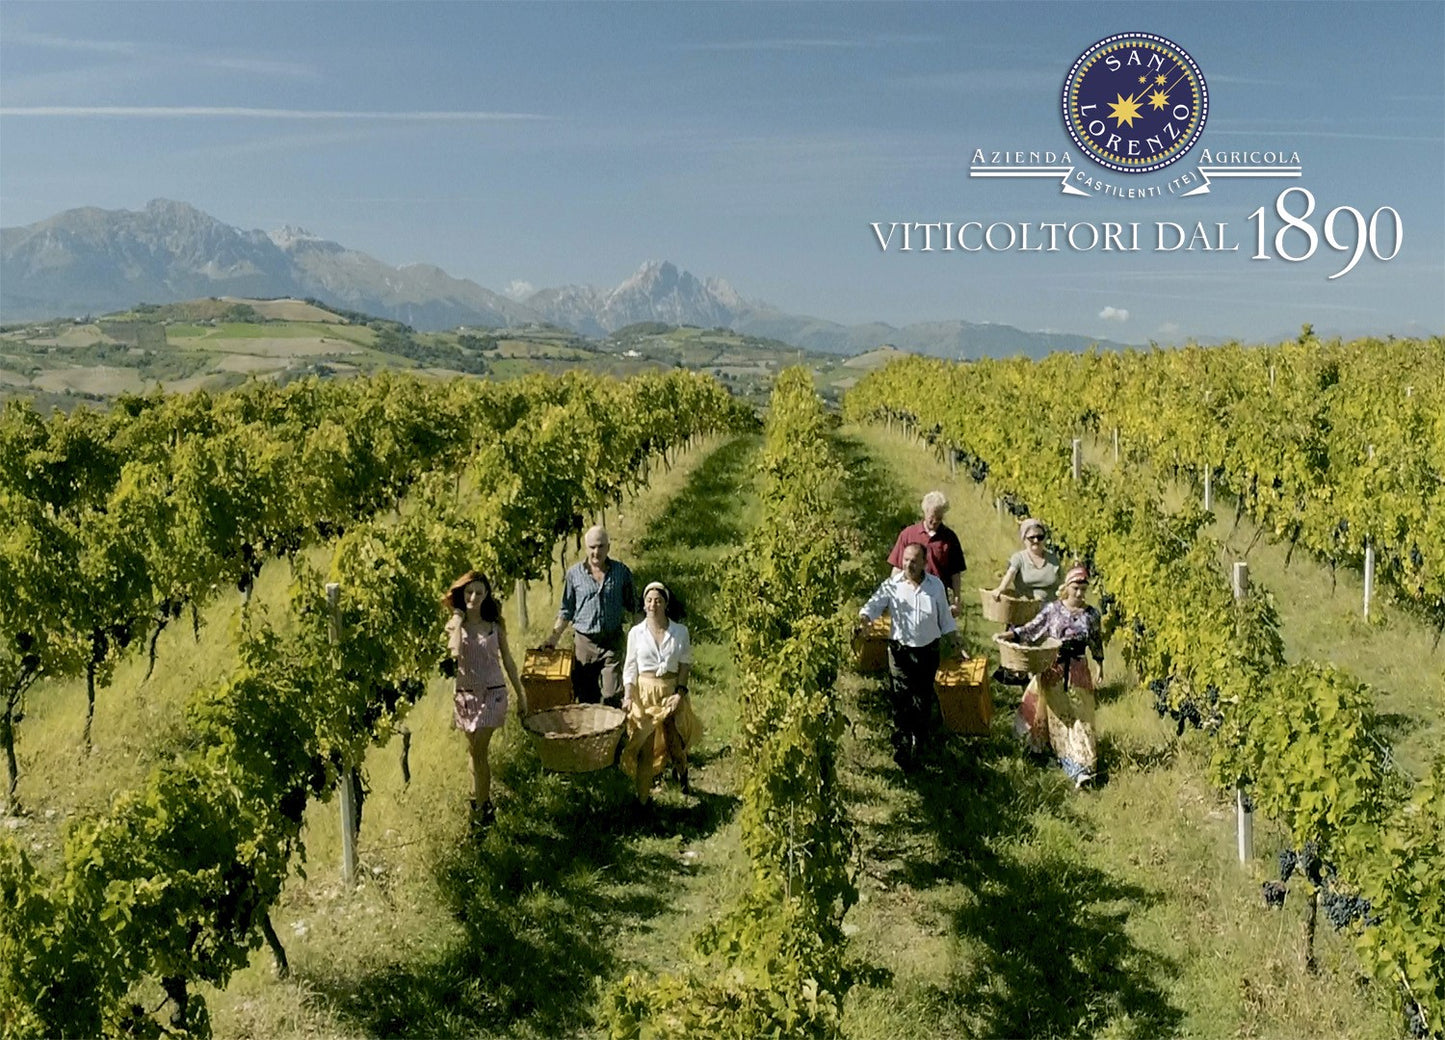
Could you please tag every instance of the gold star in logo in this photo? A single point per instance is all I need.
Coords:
(1143, 79)
(1161, 80)
(1124, 110)
(1159, 99)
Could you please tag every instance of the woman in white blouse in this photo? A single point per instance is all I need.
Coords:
(660, 720)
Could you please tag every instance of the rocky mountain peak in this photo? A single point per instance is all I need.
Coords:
(288, 235)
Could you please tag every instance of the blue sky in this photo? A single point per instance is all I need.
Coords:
(553, 143)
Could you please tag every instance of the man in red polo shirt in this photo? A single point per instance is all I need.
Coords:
(945, 554)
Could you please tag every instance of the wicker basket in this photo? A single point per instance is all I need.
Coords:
(576, 738)
(1008, 610)
(1032, 659)
(964, 696)
(547, 678)
(870, 647)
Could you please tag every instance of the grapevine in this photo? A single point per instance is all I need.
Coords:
(175, 880)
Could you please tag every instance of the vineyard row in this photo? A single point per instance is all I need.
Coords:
(1299, 739)
(174, 881)
(772, 965)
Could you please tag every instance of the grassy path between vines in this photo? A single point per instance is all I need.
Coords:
(999, 902)
(520, 934)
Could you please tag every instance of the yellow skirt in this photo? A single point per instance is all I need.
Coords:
(1051, 717)
(654, 702)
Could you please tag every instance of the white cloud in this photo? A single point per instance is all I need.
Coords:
(67, 43)
(209, 61)
(518, 289)
(188, 111)
(812, 43)
(262, 67)
(1114, 314)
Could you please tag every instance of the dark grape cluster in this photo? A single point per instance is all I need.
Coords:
(29, 659)
(1188, 711)
(977, 467)
(101, 638)
(252, 563)
(1160, 689)
(1307, 862)
(1287, 861)
(1274, 893)
(1342, 908)
(1015, 507)
(282, 543)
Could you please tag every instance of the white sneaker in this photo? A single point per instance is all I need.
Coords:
(1082, 779)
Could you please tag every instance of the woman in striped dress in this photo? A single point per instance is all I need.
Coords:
(477, 643)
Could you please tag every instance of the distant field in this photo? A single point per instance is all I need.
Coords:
(101, 379)
(552, 349)
(253, 334)
(215, 343)
(249, 363)
(289, 310)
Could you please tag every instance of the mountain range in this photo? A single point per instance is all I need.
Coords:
(93, 261)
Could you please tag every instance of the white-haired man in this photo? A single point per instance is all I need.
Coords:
(598, 601)
(944, 557)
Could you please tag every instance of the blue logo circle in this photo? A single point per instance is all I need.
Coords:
(1135, 102)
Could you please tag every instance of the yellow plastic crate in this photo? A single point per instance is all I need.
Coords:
(964, 696)
(870, 647)
(547, 678)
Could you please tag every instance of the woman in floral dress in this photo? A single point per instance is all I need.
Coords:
(1058, 707)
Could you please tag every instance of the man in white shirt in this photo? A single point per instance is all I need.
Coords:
(917, 604)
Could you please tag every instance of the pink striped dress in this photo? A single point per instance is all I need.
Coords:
(481, 692)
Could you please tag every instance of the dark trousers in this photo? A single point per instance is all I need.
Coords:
(912, 670)
(597, 668)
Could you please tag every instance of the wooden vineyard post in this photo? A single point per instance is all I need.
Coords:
(1078, 457)
(1369, 577)
(348, 792)
(521, 605)
(1240, 580)
(1116, 445)
(1208, 489)
(1243, 814)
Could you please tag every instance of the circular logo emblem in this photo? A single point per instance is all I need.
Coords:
(1135, 102)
